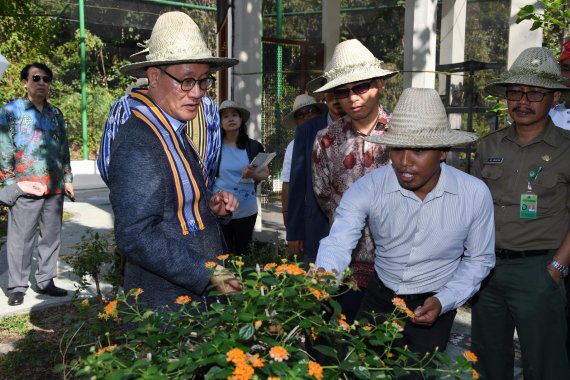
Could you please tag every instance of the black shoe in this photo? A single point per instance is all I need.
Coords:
(52, 290)
(16, 298)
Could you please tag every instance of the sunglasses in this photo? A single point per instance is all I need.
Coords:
(38, 77)
(359, 89)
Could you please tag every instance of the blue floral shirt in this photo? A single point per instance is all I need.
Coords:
(34, 146)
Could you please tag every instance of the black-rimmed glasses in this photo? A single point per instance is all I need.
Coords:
(188, 84)
(532, 96)
(359, 89)
(38, 77)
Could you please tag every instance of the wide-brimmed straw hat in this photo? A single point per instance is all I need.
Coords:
(176, 39)
(300, 102)
(244, 113)
(352, 62)
(419, 121)
(534, 67)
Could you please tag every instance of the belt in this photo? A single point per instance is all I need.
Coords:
(507, 254)
(405, 297)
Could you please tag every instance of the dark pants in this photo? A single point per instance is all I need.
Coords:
(419, 339)
(238, 233)
(519, 293)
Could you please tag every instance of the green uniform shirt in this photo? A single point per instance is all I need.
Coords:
(504, 165)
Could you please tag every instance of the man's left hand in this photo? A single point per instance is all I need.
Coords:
(427, 314)
(69, 189)
(223, 203)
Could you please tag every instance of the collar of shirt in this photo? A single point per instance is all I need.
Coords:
(28, 104)
(550, 135)
(560, 107)
(446, 184)
(178, 126)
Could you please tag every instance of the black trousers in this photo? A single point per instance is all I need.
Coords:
(419, 339)
(238, 234)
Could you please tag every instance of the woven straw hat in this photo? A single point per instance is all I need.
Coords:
(419, 121)
(3, 65)
(352, 62)
(534, 67)
(176, 39)
(244, 113)
(300, 102)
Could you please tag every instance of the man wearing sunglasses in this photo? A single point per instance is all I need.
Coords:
(527, 168)
(341, 155)
(34, 147)
(165, 215)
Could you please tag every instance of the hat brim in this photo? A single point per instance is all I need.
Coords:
(356, 76)
(138, 69)
(289, 119)
(244, 114)
(498, 88)
(421, 140)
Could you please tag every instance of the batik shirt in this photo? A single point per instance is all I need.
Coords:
(34, 146)
(203, 131)
(340, 157)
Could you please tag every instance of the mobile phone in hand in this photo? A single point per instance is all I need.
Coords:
(69, 196)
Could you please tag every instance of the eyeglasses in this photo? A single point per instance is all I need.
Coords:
(532, 96)
(188, 84)
(359, 89)
(38, 77)
(304, 112)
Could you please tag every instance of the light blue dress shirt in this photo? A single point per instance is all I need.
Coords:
(443, 244)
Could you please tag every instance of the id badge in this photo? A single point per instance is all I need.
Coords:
(528, 206)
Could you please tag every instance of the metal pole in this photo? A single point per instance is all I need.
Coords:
(279, 47)
(83, 78)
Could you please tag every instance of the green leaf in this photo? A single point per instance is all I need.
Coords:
(362, 372)
(326, 350)
(247, 331)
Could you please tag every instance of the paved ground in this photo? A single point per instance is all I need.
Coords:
(92, 210)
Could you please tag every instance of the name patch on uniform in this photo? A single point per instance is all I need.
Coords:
(494, 160)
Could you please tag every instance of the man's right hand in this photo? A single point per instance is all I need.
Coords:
(32, 188)
(224, 281)
(295, 246)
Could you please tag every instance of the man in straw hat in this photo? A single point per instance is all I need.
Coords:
(305, 107)
(527, 169)
(341, 155)
(432, 224)
(560, 114)
(164, 212)
(307, 224)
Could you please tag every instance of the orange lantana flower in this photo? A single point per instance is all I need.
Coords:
(292, 269)
(470, 356)
(111, 308)
(105, 349)
(316, 370)
(210, 264)
(183, 300)
(223, 257)
(255, 360)
(402, 307)
(278, 353)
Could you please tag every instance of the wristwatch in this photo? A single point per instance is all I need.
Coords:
(560, 268)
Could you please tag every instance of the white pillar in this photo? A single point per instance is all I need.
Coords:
(331, 27)
(420, 43)
(246, 46)
(520, 35)
(452, 47)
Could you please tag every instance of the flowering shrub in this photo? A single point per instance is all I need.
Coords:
(272, 329)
